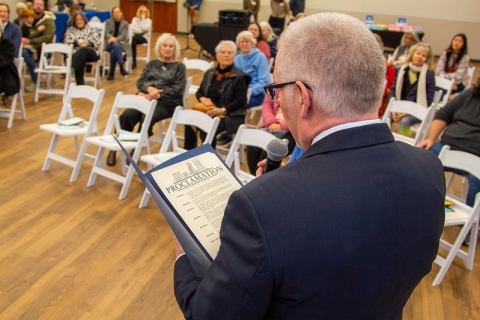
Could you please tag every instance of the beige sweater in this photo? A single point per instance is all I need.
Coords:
(280, 9)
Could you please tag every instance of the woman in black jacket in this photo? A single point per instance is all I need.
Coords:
(9, 80)
(224, 88)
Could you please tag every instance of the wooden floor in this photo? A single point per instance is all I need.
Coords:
(72, 252)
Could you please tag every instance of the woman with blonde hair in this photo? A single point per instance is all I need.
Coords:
(415, 81)
(141, 26)
(163, 79)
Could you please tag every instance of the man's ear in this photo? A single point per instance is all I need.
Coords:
(305, 99)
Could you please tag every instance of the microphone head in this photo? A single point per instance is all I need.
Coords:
(277, 149)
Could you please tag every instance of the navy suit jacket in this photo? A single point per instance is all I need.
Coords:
(14, 33)
(345, 232)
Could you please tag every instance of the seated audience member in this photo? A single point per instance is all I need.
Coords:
(414, 82)
(453, 63)
(280, 9)
(270, 37)
(141, 25)
(85, 42)
(20, 7)
(10, 30)
(224, 88)
(116, 38)
(9, 81)
(44, 23)
(261, 45)
(400, 55)
(389, 77)
(460, 118)
(273, 122)
(29, 31)
(254, 63)
(162, 79)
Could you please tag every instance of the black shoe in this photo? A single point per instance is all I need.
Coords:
(123, 71)
(111, 161)
(110, 76)
(224, 141)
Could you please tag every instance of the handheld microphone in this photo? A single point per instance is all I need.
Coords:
(277, 149)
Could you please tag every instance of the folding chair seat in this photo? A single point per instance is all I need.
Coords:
(246, 137)
(84, 128)
(47, 67)
(100, 27)
(462, 214)
(18, 97)
(418, 111)
(446, 86)
(180, 117)
(135, 141)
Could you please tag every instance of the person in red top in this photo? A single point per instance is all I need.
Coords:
(389, 77)
(262, 45)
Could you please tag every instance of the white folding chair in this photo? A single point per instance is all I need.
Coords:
(163, 122)
(47, 67)
(414, 109)
(145, 58)
(18, 97)
(470, 72)
(86, 128)
(249, 137)
(196, 64)
(100, 28)
(462, 215)
(446, 86)
(185, 118)
(105, 142)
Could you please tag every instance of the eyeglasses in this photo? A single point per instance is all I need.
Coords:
(272, 89)
(225, 52)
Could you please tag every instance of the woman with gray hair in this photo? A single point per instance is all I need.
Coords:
(224, 89)
(162, 79)
(254, 63)
(270, 37)
(415, 82)
(400, 54)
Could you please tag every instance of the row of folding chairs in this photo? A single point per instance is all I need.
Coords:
(69, 125)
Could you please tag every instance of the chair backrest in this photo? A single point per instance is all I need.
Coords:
(446, 86)
(83, 92)
(470, 72)
(192, 118)
(249, 137)
(100, 28)
(460, 160)
(197, 64)
(270, 63)
(130, 101)
(50, 49)
(19, 64)
(185, 92)
(414, 109)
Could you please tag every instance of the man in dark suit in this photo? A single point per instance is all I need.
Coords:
(348, 230)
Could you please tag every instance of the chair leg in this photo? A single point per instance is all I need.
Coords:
(472, 245)
(126, 185)
(145, 198)
(78, 162)
(97, 163)
(51, 149)
(38, 87)
(13, 108)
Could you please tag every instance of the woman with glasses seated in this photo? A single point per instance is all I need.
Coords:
(224, 88)
(141, 26)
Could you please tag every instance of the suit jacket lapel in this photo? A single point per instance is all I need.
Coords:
(352, 138)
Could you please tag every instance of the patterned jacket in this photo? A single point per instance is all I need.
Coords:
(87, 33)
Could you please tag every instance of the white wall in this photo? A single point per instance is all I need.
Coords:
(440, 19)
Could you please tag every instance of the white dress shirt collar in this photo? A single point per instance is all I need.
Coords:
(344, 126)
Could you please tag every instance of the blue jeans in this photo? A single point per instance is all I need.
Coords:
(31, 64)
(116, 51)
(256, 100)
(474, 182)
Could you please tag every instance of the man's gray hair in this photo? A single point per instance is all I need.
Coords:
(339, 58)
(161, 40)
(226, 42)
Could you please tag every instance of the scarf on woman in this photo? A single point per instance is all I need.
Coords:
(421, 83)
